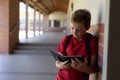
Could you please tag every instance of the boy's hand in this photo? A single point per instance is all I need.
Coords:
(63, 65)
(78, 65)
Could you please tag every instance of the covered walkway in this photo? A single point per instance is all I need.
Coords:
(29, 59)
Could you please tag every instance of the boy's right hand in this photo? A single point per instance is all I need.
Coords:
(62, 65)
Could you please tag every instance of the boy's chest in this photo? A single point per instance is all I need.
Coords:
(77, 49)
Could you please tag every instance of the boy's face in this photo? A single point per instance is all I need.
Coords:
(78, 29)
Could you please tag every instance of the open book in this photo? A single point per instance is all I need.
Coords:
(62, 58)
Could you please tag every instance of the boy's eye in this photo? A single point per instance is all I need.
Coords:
(72, 28)
(78, 29)
(75, 29)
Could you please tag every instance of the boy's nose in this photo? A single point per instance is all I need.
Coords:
(75, 31)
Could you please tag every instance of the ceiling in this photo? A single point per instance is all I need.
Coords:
(48, 6)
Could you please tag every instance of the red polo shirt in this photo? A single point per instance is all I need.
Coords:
(75, 48)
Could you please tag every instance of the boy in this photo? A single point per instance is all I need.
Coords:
(76, 69)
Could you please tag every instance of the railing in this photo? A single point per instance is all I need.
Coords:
(14, 28)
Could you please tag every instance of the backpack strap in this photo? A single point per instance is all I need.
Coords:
(67, 41)
(88, 39)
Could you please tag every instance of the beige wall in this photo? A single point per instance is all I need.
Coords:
(58, 15)
(96, 7)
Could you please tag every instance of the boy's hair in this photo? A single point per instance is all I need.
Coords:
(82, 15)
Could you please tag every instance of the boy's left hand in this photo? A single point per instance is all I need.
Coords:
(78, 65)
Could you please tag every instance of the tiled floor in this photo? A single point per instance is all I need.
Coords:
(31, 67)
(27, 67)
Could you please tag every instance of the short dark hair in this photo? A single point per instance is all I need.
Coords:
(82, 15)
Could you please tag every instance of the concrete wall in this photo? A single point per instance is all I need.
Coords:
(111, 64)
(45, 21)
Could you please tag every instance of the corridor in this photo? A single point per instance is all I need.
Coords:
(31, 59)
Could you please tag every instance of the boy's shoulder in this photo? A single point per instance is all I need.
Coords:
(92, 36)
(89, 34)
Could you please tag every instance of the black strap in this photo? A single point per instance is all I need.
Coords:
(67, 41)
(88, 48)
